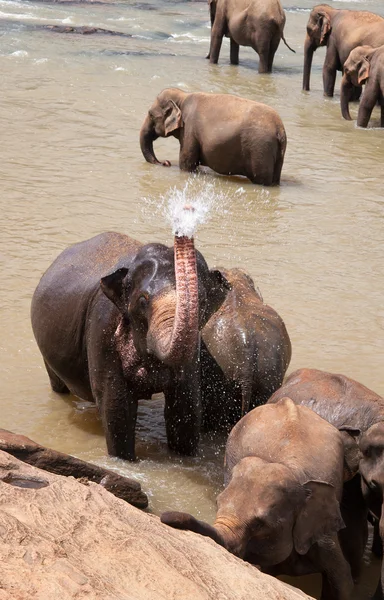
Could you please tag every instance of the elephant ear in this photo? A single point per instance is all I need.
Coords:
(319, 516)
(352, 454)
(363, 72)
(172, 118)
(112, 287)
(218, 287)
(325, 24)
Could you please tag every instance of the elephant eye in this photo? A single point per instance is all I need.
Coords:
(143, 300)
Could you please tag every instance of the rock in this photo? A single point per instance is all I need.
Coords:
(63, 464)
(63, 540)
(83, 30)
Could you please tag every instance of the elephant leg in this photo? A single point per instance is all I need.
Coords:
(217, 33)
(377, 544)
(57, 384)
(182, 411)
(272, 51)
(330, 70)
(366, 107)
(118, 416)
(378, 595)
(189, 157)
(262, 48)
(337, 582)
(382, 115)
(354, 537)
(234, 52)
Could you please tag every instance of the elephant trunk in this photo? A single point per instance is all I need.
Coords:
(174, 331)
(308, 55)
(147, 137)
(223, 532)
(345, 96)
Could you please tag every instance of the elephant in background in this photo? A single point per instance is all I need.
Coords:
(283, 477)
(340, 31)
(255, 23)
(245, 355)
(229, 134)
(117, 321)
(349, 405)
(364, 65)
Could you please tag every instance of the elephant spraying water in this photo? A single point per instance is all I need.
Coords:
(117, 321)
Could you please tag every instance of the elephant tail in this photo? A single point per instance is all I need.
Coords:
(285, 42)
(282, 144)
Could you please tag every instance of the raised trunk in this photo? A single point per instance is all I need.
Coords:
(345, 97)
(147, 137)
(308, 55)
(174, 335)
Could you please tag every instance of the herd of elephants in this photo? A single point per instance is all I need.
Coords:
(117, 321)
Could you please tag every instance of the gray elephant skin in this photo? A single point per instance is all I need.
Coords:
(364, 66)
(229, 134)
(349, 405)
(255, 23)
(245, 353)
(340, 31)
(117, 321)
(283, 476)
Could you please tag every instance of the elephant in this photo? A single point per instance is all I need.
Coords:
(117, 321)
(340, 31)
(229, 134)
(283, 478)
(349, 405)
(255, 23)
(364, 65)
(248, 351)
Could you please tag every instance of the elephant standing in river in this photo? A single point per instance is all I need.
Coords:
(283, 476)
(255, 23)
(245, 355)
(340, 31)
(349, 405)
(229, 134)
(117, 321)
(364, 65)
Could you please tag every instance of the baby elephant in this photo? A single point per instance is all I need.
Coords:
(229, 134)
(249, 351)
(280, 506)
(364, 65)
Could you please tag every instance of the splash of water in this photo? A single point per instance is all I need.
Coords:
(191, 206)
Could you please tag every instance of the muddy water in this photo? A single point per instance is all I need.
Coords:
(71, 108)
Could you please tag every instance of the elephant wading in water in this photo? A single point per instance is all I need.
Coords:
(349, 405)
(229, 134)
(364, 65)
(341, 31)
(117, 321)
(283, 476)
(255, 23)
(247, 353)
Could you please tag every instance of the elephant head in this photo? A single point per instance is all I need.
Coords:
(166, 296)
(265, 512)
(319, 27)
(356, 73)
(164, 118)
(372, 469)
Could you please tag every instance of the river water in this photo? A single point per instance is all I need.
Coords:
(71, 108)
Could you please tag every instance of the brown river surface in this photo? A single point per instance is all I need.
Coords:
(70, 167)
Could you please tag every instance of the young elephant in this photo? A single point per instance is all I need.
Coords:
(364, 65)
(249, 351)
(229, 134)
(280, 506)
(255, 23)
(117, 321)
(347, 404)
(341, 31)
